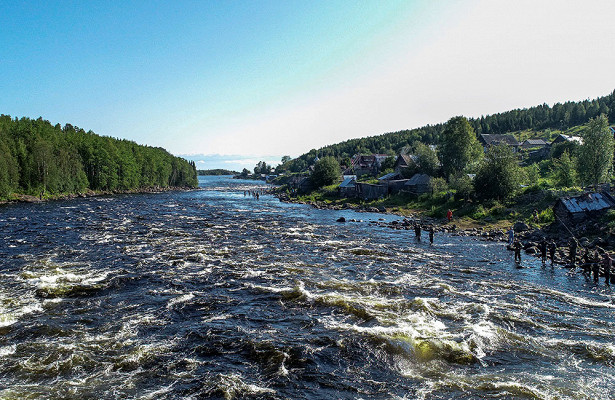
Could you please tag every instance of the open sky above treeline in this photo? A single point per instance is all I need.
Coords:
(232, 83)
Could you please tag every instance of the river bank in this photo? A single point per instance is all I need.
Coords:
(591, 236)
(25, 198)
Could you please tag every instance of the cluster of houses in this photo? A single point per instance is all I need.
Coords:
(418, 184)
(393, 183)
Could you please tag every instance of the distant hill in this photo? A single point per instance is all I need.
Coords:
(38, 158)
(527, 121)
(216, 172)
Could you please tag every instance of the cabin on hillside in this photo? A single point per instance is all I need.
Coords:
(301, 184)
(368, 191)
(404, 162)
(419, 184)
(588, 205)
(533, 144)
(561, 138)
(394, 182)
(348, 188)
(367, 164)
(488, 140)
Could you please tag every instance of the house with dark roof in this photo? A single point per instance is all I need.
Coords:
(348, 188)
(403, 162)
(565, 138)
(367, 164)
(418, 184)
(368, 191)
(588, 205)
(488, 140)
(533, 144)
(394, 182)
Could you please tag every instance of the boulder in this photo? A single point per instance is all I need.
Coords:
(520, 226)
(341, 219)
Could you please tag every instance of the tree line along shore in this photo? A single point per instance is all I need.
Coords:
(41, 161)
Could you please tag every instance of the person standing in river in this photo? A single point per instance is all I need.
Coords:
(431, 234)
(607, 263)
(552, 248)
(517, 248)
(543, 250)
(417, 231)
(511, 236)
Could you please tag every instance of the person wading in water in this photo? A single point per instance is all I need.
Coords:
(543, 251)
(417, 231)
(431, 235)
(552, 247)
(517, 250)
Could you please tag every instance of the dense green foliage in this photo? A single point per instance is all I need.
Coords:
(426, 159)
(498, 175)
(326, 172)
(215, 172)
(596, 152)
(37, 157)
(458, 146)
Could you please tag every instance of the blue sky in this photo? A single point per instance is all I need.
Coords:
(246, 80)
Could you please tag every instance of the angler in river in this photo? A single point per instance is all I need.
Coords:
(205, 294)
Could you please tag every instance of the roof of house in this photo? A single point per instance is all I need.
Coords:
(492, 139)
(419, 179)
(534, 142)
(588, 202)
(390, 177)
(348, 183)
(566, 138)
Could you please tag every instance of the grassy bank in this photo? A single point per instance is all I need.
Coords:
(467, 213)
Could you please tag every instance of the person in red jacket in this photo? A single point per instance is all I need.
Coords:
(449, 215)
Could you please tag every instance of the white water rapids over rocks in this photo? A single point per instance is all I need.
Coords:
(213, 294)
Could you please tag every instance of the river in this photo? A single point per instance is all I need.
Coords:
(213, 294)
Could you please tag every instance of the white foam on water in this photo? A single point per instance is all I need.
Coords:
(181, 299)
(8, 350)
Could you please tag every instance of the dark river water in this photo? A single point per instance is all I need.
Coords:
(211, 294)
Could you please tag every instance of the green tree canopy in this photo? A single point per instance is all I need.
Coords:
(498, 175)
(426, 159)
(596, 152)
(565, 170)
(326, 172)
(458, 146)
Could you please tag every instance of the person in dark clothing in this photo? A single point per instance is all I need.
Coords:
(517, 250)
(596, 265)
(543, 250)
(431, 235)
(607, 263)
(552, 248)
(417, 231)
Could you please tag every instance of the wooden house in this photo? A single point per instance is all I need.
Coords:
(348, 188)
(578, 208)
(418, 184)
(488, 140)
(368, 191)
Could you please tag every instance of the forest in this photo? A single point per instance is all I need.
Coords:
(41, 159)
(560, 116)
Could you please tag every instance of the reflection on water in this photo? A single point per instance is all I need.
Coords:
(213, 294)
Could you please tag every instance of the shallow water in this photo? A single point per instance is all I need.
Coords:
(212, 294)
